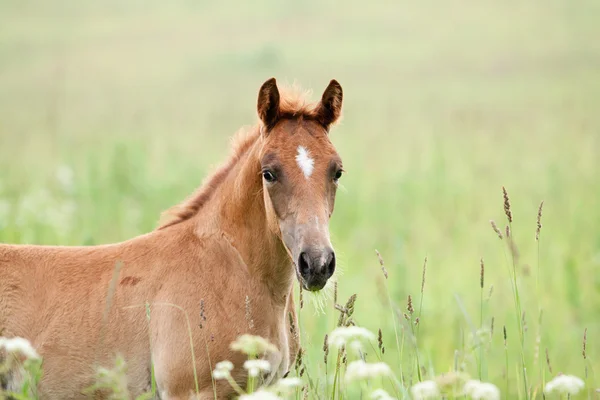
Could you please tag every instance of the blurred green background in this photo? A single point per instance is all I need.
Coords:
(113, 111)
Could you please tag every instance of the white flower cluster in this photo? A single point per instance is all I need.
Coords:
(360, 370)
(425, 390)
(381, 394)
(481, 390)
(564, 384)
(253, 345)
(352, 337)
(255, 367)
(18, 345)
(223, 370)
(285, 385)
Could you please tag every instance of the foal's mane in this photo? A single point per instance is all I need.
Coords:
(293, 104)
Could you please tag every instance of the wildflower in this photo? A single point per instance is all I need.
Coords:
(425, 390)
(64, 176)
(450, 379)
(287, 385)
(260, 395)
(19, 345)
(350, 336)
(223, 370)
(252, 345)
(381, 394)
(481, 390)
(564, 384)
(254, 367)
(358, 370)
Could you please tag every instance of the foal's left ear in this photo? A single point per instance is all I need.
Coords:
(330, 108)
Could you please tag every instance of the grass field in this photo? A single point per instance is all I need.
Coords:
(111, 112)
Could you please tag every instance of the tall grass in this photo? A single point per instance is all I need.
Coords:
(362, 367)
(111, 113)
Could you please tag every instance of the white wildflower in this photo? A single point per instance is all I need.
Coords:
(351, 336)
(64, 176)
(223, 370)
(359, 369)
(481, 390)
(260, 395)
(253, 345)
(425, 390)
(18, 345)
(285, 385)
(564, 384)
(255, 367)
(381, 394)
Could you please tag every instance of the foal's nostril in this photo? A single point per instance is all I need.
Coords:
(304, 264)
(330, 265)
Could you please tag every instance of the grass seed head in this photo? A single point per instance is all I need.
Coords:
(482, 273)
(507, 209)
(382, 264)
(539, 222)
(249, 314)
(495, 228)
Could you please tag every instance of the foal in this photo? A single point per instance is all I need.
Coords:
(258, 221)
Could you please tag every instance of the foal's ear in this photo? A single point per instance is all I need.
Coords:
(330, 107)
(268, 104)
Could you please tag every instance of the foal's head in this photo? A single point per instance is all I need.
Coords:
(300, 173)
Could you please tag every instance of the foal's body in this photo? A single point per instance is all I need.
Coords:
(222, 263)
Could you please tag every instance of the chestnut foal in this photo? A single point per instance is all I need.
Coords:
(221, 264)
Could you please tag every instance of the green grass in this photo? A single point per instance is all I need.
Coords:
(445, 103)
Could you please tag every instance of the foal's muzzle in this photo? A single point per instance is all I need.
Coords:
(315, 267)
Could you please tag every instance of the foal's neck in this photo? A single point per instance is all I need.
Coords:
(242, 217)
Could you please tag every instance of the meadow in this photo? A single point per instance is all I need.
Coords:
(111, 112)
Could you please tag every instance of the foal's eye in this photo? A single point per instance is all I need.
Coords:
(269, 176)
(337, 176)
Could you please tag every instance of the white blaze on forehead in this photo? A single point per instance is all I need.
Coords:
(305, 162)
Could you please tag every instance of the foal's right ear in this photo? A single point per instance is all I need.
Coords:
(268, 104)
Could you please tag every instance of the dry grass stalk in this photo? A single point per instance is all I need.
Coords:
(482, 273)
(409, 306)
(298, 362)
(507, 209)
(382, 264)
(380, 342)
(249, 314)
(335, 289)
(504, 331)
(539, 222)
(495, 228)
(293, 329)
(301, 298)
(325, 349)
(202, 313)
